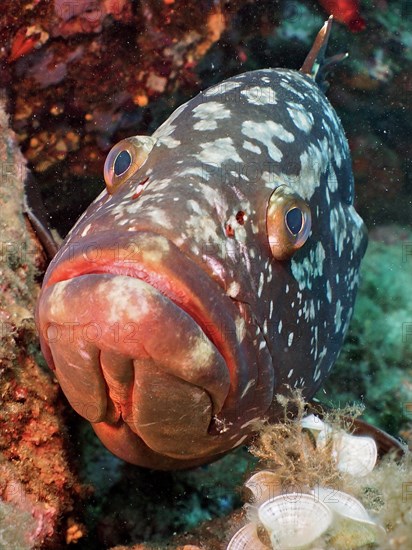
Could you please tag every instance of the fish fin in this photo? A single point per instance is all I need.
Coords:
(316, 64)
(33, 208)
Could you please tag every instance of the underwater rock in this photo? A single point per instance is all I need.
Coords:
(102, 73)
(37, 486)
(68, 64)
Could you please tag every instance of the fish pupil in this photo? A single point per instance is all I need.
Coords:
(294, 220)
(122, 162)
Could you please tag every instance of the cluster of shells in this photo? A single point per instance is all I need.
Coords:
(320, 517)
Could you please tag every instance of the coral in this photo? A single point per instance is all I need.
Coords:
(89, 66)
(37, 486)
(14, 525)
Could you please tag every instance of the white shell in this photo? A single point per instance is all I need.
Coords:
(318, 429)
(246, 539)
(356, 455)
(312, 423)
(353, 527)
(342, 504)
(264, 485)
(294, 520)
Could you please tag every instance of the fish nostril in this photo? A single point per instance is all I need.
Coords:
(122, 162)
(230, 232)
(241, 217)
(230, 225)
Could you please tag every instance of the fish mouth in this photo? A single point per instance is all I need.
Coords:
(140, 335)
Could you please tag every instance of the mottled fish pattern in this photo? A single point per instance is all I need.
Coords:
(166, 314)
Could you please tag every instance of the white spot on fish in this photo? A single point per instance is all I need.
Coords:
(249, 386)
(116, 295)
(222, 88)
(198, 171)
(233, 289)
(312, 163)
(194, 206)
(300, 118)
(263, 132)
(291, 89)
(218, 151)
(328, 292)
(169, 142)
(338, 225)
(252, 147)
(338, 316)
(260, 95)
(209, 113)
(240, 328)
(310, 267)
(332, 179)
(261, 282)
(86, 230)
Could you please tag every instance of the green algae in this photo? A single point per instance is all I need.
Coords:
(375, 365)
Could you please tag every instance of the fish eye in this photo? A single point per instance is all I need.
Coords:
(294, 220)
(288, 222)
(124, 160)
(122, 163)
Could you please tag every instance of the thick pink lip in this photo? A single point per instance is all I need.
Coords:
(171, 385)
(174, 275)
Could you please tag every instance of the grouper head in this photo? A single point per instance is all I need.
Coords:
(219, 267)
